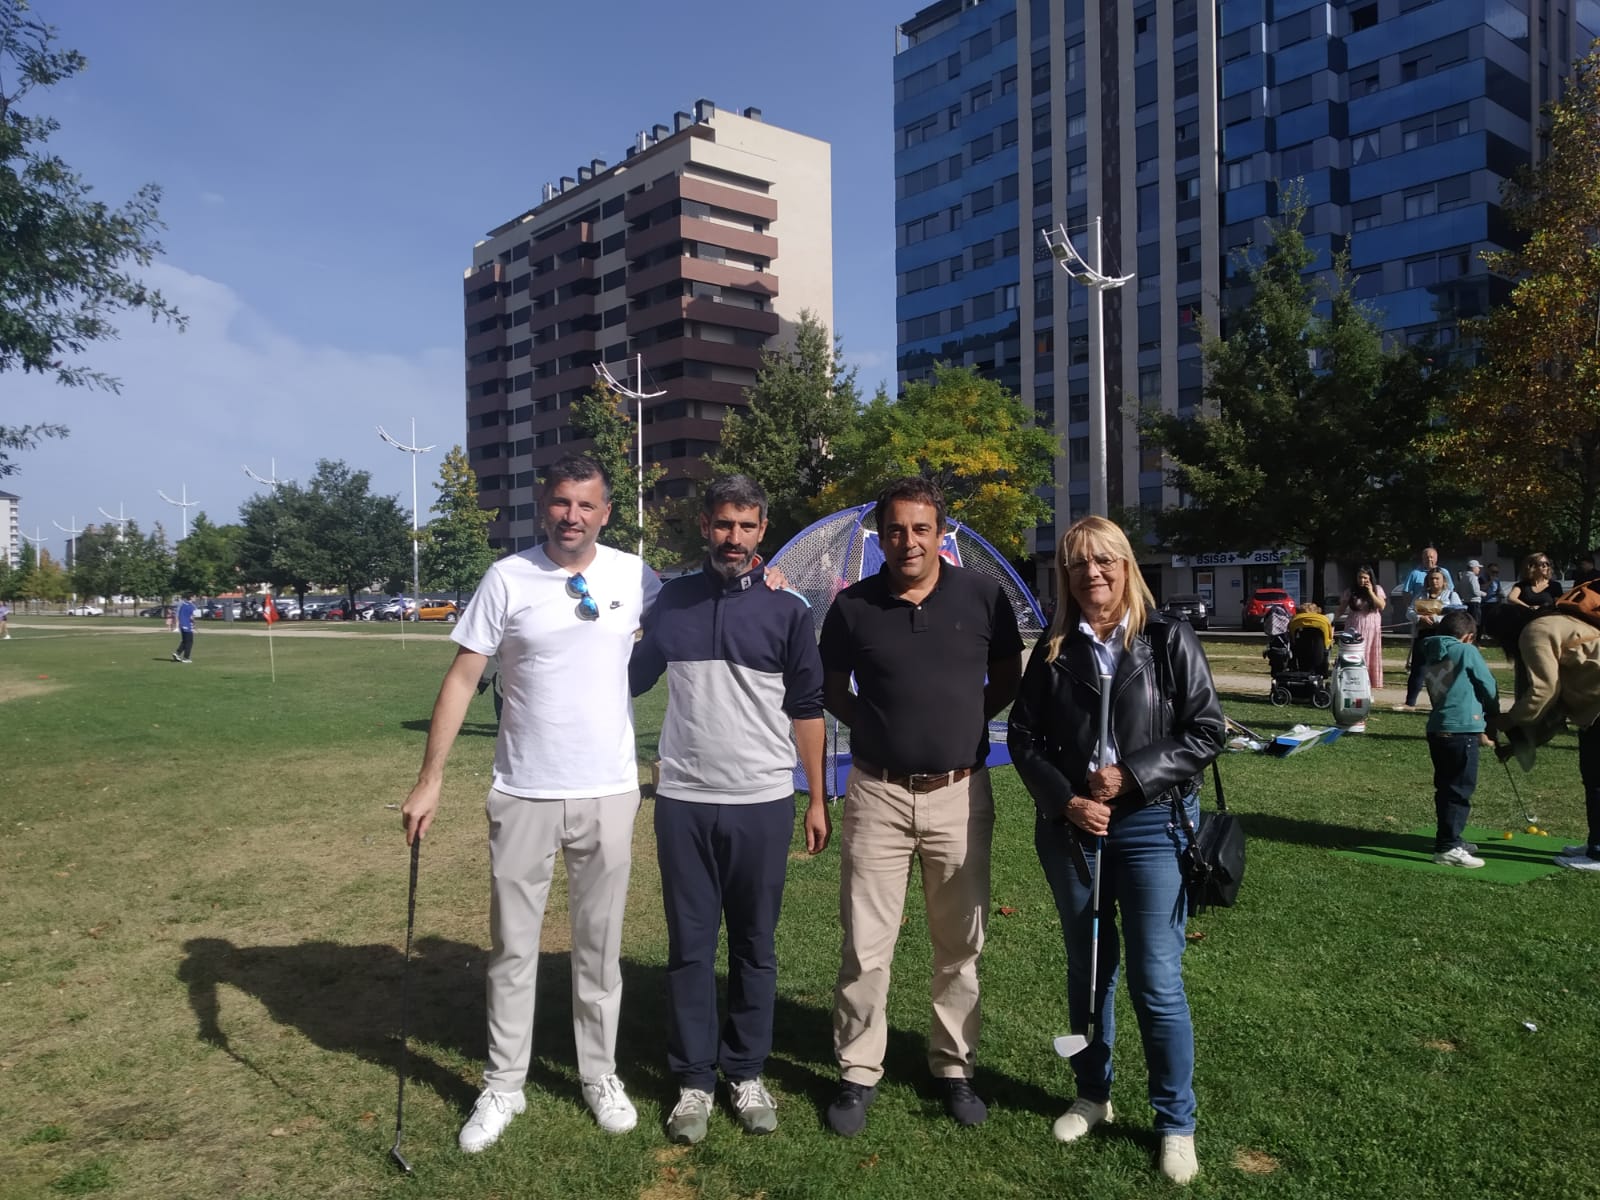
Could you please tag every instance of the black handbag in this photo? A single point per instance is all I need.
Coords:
(1213, 863)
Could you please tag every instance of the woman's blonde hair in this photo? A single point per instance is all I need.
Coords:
(1095, 535)
(1537, 559)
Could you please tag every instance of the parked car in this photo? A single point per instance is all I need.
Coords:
(1255, 608)
(438, 610)
(217, 610)
(343, 610)
(392, 610)
(86, 610)
(1188, 607)
(160, 610)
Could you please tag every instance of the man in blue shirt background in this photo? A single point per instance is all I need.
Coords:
(185, 630)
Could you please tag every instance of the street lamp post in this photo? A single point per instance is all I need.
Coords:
(1082, 271)
(273, 482)
(186, 504)
(638, 395)
(72, 535)
(37, 539)
(416, 564)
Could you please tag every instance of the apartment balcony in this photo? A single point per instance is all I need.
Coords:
(700, 270)
(681, 187)
(696, 230)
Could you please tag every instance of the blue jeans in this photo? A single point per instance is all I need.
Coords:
(1141, 903)
(1455, 778)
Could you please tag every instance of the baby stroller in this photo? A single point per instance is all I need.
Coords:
(1299, 664)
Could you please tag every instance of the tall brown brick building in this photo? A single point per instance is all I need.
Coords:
(697, 251)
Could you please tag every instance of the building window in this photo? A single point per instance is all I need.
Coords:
(1363, 148)
(1364, 82)
(1240, 173)
(981, 97)
(1364, 17)
(1366, 214)
(1076, 125)
(1420, 204)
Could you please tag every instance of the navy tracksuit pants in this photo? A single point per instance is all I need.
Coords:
(721, 862)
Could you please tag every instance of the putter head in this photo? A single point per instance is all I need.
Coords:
(1069, 1045)
(399, 1159)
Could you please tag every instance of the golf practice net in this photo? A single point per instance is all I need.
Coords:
(829, 555)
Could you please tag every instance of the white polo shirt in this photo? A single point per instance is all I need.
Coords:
(566, 731)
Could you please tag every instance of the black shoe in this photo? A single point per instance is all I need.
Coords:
(847, 1115)
(962, 1103)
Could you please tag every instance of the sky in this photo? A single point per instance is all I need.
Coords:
(326, 168)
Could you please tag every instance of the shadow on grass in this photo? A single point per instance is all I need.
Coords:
(468, 728)
(346, 1000)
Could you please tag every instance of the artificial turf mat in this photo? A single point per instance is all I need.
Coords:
(1517, 859)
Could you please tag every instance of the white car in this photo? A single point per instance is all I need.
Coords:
(86, 610)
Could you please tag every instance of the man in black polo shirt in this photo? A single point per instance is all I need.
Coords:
(920, 637)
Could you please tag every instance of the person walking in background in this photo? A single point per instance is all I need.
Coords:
(1166, 724)
(5, 621)
(1461, 690)
(185, 620)
(1537, 588)
(1471, 590)
(920, 637)
(1361, 608)
(1535, 591)
(562, 617)
(1426, 610)
(744, 693)
(1416, 581)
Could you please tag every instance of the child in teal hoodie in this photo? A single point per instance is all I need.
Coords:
(1460, 688)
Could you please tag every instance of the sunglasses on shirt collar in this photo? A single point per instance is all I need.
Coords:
(578, 589)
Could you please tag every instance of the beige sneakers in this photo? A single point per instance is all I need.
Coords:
(1178, 1161)
(1083, 1116)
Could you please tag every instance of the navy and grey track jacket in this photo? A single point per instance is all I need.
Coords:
(741, 663)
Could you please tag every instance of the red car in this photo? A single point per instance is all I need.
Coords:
(1255, 608)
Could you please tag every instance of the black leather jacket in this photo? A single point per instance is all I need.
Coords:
(1166, 719)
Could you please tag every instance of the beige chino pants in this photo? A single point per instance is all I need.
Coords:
(883, 828)
(596, 837)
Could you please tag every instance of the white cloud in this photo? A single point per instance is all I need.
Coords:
(195, 407)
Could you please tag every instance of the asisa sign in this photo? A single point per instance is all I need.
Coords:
(1232, 558)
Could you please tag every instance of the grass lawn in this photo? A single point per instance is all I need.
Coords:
(203, 911)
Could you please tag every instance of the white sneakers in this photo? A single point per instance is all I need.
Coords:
(1178, 1161)
(494, 1110)
(490, 1116)
(1081, 1117)
(612, 1109)
(1577, 858)
(1458, 856)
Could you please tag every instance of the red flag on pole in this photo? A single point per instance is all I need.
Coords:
(271, 610)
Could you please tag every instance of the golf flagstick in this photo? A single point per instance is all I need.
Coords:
(1070, 1044)
(395, 1156)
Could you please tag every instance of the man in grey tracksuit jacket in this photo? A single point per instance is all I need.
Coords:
(742, 671)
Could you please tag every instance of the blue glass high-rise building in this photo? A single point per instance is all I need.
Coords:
(1177, 125)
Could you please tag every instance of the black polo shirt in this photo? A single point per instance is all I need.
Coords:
(920, 668)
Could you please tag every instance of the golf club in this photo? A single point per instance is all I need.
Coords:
(1071, 1044)
(1512, 780)
(405, 996)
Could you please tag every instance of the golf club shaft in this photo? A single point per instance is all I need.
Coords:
(1517, 795)
(1099, 846)
(405, 1003)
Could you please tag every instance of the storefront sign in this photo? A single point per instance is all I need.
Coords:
(1232, 558)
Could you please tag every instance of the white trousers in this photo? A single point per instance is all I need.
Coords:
(596, 837)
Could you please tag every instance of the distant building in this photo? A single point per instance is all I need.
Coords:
(11, 528)
(1177, 124)
(697, 251)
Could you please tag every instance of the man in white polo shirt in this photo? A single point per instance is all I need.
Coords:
(562, 618)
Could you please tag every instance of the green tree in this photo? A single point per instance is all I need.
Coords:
(67, 261)
(455, 545)
(971, 435)
(207, 561)
(603, 415)
(42, 577)
(1311, 432)
(803, 401)
(1526, 426)
(108, 562)
(149, 565)
(359, 539)
(274, 545)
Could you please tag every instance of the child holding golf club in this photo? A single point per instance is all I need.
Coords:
(1460, 688)
(1115, 720)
